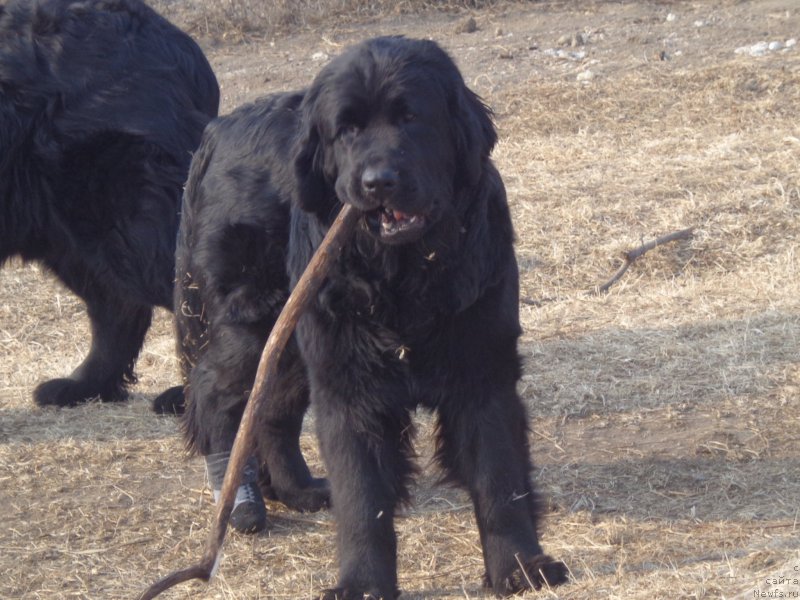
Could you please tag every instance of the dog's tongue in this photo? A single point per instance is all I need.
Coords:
(399, 216)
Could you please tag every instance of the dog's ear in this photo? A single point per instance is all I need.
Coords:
(475, 134)
(311, 190)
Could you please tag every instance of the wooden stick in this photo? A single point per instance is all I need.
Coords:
(628, 259)
(299, 300)
(631, 255)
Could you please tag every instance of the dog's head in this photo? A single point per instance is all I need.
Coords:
(390, 127)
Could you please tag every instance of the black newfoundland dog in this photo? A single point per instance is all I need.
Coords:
(101, 104)
(421, 309)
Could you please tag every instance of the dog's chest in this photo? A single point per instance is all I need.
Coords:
(391, 322)
(406, 303)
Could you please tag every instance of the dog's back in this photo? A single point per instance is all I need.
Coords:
(228, 176)
(103, 66)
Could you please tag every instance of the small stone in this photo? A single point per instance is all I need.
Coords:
(671, 17)
(775, 46)
(791, 42)
(585, 76)
(319, 56)
(576, 39)
(468, 25)
(757, 49)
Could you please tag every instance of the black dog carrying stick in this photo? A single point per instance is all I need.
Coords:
(298, 301)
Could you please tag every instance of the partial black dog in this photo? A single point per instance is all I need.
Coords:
(421, 309)
(101, 104)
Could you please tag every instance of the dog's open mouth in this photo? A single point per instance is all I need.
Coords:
(395, 225)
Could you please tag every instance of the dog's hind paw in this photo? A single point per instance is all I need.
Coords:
(312, 497)
(170, 402)
(533, 572)
(70, 392)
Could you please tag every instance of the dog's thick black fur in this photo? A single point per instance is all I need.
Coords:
(101, 104)
(420, 310)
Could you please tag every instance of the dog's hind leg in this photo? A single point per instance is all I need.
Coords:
(284, 473)
(113, 246)
(118, 331)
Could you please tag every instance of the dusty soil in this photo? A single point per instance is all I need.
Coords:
(664, 414)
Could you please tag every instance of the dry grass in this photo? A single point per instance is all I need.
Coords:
(241, 19)
(665, 414)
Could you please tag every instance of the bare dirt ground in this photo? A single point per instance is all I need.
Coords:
(665, 414)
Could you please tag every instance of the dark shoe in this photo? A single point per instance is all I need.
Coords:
(249, 514)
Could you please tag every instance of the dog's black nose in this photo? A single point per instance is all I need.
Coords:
(379, 181)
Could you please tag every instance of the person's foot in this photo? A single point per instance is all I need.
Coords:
(249, 514)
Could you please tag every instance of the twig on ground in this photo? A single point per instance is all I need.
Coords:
(628, 259)
(631, 256)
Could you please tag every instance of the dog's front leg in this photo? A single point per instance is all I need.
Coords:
(367, 459)
(483, 445)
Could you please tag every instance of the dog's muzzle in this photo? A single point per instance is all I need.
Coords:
(380, 187)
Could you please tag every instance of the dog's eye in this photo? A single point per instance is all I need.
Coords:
(347, 130)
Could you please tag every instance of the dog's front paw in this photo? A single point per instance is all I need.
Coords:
(532, 572)
(349, 594)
